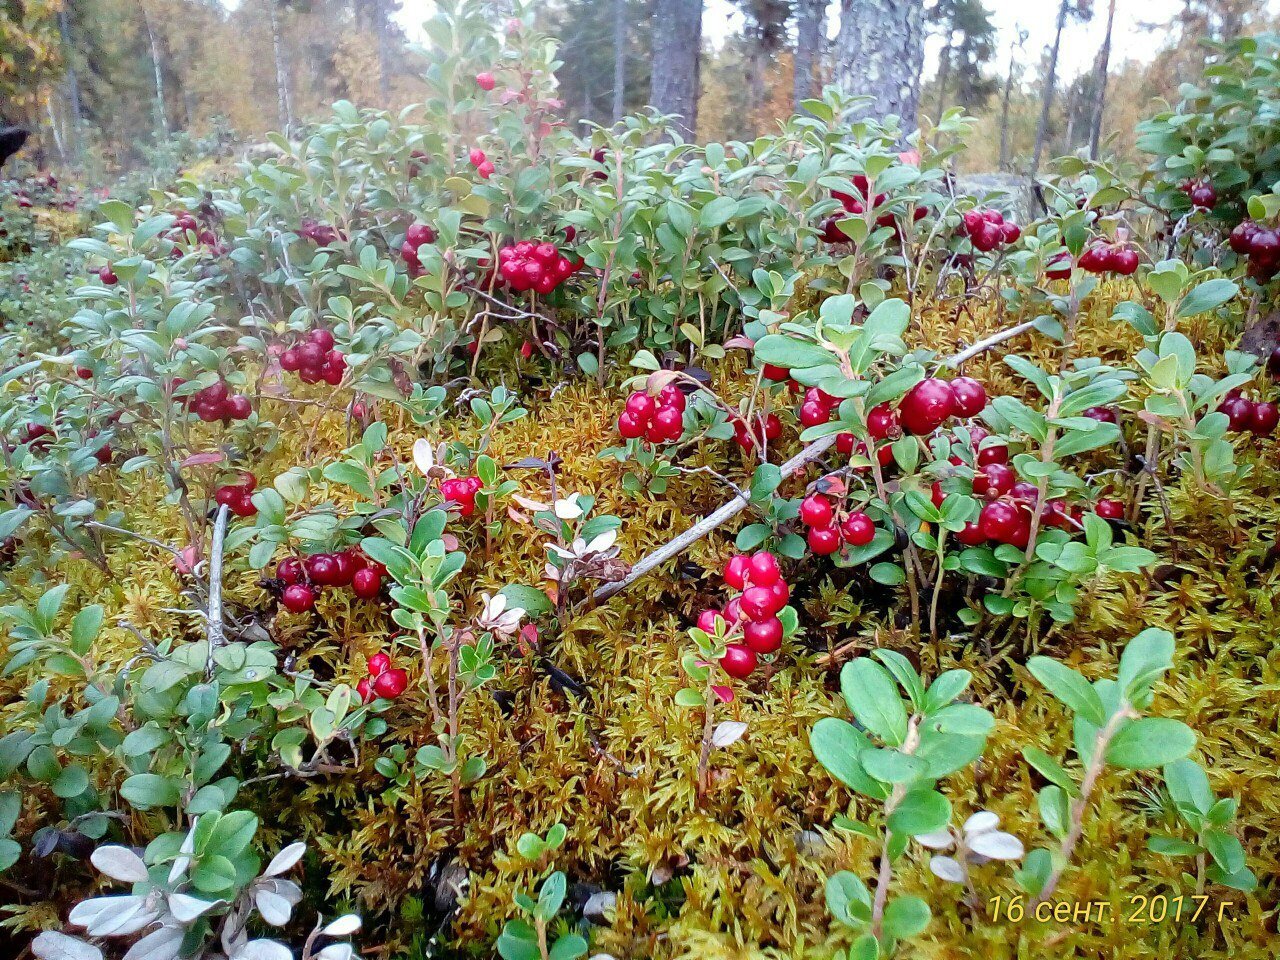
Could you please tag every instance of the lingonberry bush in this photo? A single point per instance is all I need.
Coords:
(340, 466)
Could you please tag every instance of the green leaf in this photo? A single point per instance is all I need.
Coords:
(533, 601)
(1150, 742)
(873, 698)
(890, 766)
(1069, 687)
(1049, 768)
(920, 811)
(1145, 659)
(785, 351)
(147, 790)
(1207, 296)
(568, 947)
(848, 899)
(905, 917)
(1188, 786)
(1226, 850)
(838, 745)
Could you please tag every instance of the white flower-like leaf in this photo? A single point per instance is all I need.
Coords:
(274, 908)
(183, 861)
(938, 840)
(343, 926)
(162, 944)
(602, 542)
(187, 908)
(568, 508)
(947, 869)
(285, 860)
(119, 863)
(113, 916)
(263, 950)
(424, 457)
(981, 822)
(728, 732)
(52, 945)
(495, 616)
(996, 845)
(336, 951)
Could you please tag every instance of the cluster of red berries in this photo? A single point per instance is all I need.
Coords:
(827, 531)
(1258, 417)
(1115, 258)
(817, 407)
(755, 610)
(383, 681)
(932, 401)
(319, 233)
(217, 402)
(855, 205)
(315, 359)
(1260, 244)
(530, 265)
(988, 229)
(187, 223)
(238, 496)
(484, 167)
(659, 420)
(1201, 193)
(415, 236)
(303, 579)
(461, 491)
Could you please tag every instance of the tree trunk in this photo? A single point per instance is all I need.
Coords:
(677, 46)
(879, 54)
(380, 15)
(810, 15)
(1004, 116)
(619, 58)
(73, 82)
(1100, 86)
(284, 102)
(1042, 129)
(944, 74)
(161, 116)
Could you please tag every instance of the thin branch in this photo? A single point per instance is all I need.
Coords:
(215, 633)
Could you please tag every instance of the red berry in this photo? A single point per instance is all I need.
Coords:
(391, 683)
(763, 569)
(242, 504)
(322, 568)
(738, 661)
(485, 170)
(1273, 362)
(756, 603)
(815, 511)
(107, 276)
(321, 338)
(379, 663)
(238, 408)
(858, 529)
(364, 690)
(813, 413)
(485, 80)
(882, 422)
(671, 422)
(1239, 412)
(999, 521)
(417, 234)
(1242, 236)
(927, 405)
(971, 535)
(1027, 492)
(845, 442)
(824, 540)
(735, 571)
(993, 454)
(732, 612)
(707, 620)
(1109, 509)
(672, 396)
(1265, 417)
(641, 406)
(781, 593)
(629, 427)
(298, 598)
(366, 583)
(774, 372)
(763, 636)
(970, 396)
(1124, 261)
(289, 570)
(476, 156)
(994, 480)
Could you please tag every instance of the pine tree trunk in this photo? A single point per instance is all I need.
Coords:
(1042, 129)
(619, 58)
(809, 33)
(944, 74)
(161, 116)
(1100, 86)
(284, 102)
(677, 46)
(1004, 116)
(879, 54)
(73, 82)
(380, 15)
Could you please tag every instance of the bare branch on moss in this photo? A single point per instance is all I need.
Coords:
(216, 635)
(704, 526)
(982, 346)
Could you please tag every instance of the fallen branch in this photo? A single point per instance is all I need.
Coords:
(708, 523)
(214, 622)
(797, 463)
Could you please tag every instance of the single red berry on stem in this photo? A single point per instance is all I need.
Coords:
(763, 636)
(815, 511)
(366, 584)
(763, 569)
(735, 571)
(927, 405)
(858, 529)
(298, 598)
(739, 661)
(824, 541)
